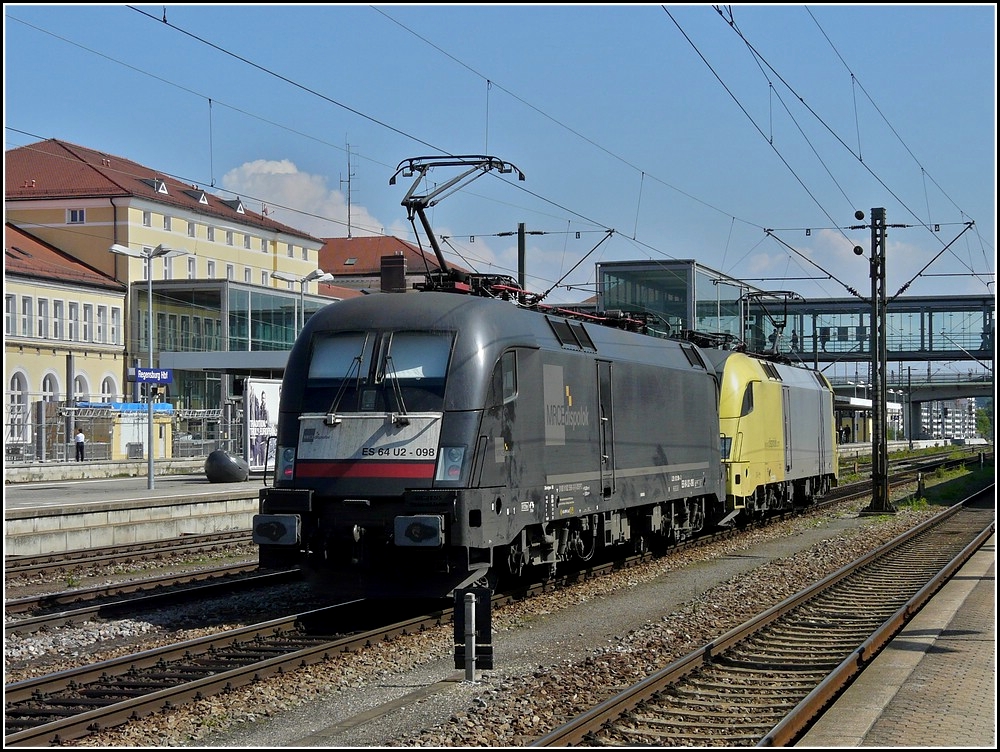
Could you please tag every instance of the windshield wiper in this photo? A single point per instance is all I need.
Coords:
(399, 418)
(332, 410)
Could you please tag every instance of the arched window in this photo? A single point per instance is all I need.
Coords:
(108, 390)
(81, 390)
(50, 388)
(17, 410)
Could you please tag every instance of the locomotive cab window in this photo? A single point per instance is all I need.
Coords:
(417, 356)
(387, 371)
(725, 445)
(337, 358)
(747, 406)
(503, 388)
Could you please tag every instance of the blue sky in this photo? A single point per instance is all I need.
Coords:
(745, 139)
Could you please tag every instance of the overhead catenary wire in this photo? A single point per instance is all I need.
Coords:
(490, 83)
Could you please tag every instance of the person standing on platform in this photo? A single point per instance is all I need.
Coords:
(80, 439)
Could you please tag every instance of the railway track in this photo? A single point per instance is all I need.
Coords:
(70, 728)
(84, 558)
(120, 600)
(74, 703)
(765, 681)
(52, 709)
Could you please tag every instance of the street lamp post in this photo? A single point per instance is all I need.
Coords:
(148, 254)
(317, 275)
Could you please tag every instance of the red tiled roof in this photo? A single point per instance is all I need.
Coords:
(27, 256)
(362, 256)
(57, 169)
(336, 291)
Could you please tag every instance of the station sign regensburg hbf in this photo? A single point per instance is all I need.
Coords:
(154, 375)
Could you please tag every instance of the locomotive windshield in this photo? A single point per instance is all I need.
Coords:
(378, 371)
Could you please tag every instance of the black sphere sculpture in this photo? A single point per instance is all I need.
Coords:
(223, 467)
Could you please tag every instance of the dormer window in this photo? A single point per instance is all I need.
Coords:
(157, 185)
(236, 205)
(198, 195)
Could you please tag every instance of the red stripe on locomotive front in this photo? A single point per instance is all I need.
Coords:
(365, 469)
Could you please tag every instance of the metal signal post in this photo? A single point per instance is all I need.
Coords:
(880, 503)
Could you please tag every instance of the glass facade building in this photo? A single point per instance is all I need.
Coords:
(687, 296)
(212, 317)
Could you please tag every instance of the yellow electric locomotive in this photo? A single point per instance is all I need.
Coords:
(777, 433)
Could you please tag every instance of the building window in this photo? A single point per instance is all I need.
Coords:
(247, 275)
(173, 329)
(191, 229)
(102, 324)
(230, 271)
(211, 233)
(229, 237)
(50, 388)
(305, 253)
(17, 409)
(108, 390)
(43, 318)
(116, 326)
(147, 219)
(76, 216)
(10, 315)
(80, 389)
(192, 267)
(263, 245)
(88, 322)
(57, 319)
(211, 270)
(73, 328)
(264, 279)
(168, 267)
(246, 241)
(27, 310)
(291, 251)
(166, 222)
(162, 333)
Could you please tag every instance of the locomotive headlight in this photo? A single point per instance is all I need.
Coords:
(286, 463)
(450, 463)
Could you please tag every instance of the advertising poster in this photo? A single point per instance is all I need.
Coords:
(260, 421)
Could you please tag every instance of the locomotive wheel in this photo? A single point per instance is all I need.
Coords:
(517, 559)
(640, 545)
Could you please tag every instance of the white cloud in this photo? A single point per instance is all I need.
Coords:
(298, 199)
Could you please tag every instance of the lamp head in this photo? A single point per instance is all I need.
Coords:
(123, 250)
